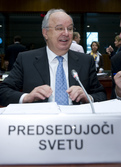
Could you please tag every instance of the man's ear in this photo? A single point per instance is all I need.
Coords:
(44, 32)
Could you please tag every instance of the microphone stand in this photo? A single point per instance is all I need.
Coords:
(75, 76)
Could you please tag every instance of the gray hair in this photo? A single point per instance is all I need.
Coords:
(45, 22)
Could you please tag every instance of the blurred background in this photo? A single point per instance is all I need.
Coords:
(93, 19)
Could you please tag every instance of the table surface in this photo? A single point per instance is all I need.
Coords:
(106, 77)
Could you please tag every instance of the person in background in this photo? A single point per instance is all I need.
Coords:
(40, 75)
(116, 73)
(98, 58)
(75, 43)
(12, 52)
(117, 43)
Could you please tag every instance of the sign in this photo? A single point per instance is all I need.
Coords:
(60, 139)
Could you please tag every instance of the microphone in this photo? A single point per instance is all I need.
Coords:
(76, 77)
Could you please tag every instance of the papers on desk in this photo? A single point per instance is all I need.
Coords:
(2, 110)
(32, 108)
(101, 74)
(76, 109)
(108, 107)
(105, 107)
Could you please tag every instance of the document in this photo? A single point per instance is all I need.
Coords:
(76, 109)
(108, 107)
(101, 74)
(104, 107)
(32, 108)
(2, 110)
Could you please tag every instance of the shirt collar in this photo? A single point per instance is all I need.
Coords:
(74, 41)
(16, 42)
(51, 55)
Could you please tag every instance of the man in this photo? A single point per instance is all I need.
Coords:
(117, 43)
(12, 52)
(34, 72)
(75, 43)
(116, 73)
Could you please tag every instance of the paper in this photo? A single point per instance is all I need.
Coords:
(108, 107)
(76, 109)
(2, 110)
(32, 108)
(104, 107)
(101, 74)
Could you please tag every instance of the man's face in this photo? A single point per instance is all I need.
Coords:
(60, 32)
(117, 43)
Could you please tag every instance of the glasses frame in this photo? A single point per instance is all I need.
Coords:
(60, 28)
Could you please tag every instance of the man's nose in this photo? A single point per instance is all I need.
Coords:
(66, 31)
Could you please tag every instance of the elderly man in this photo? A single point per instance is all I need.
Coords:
(44, 74)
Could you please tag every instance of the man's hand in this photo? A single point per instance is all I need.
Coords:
(38, 93)
(77, 94)
(109, 50)
(117, 79)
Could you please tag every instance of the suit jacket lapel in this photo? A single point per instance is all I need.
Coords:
(41, 64)
(72, 65)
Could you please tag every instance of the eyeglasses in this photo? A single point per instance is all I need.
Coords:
(61, 29)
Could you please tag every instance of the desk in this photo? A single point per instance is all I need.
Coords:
(59, 123)
(71, 165)
(106, 81)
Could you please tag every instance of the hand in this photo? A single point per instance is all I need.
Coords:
(38, 93)
(77, 94)
(109, 50)
(117, 79)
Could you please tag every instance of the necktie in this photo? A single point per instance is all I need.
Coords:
(95, 57)
(61, 96)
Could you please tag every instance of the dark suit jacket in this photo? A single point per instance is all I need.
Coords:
(12, 53)
(115, 67)
(31, 70)
(114, 53)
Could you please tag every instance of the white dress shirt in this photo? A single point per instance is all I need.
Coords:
(76, 47)
(53, 63)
